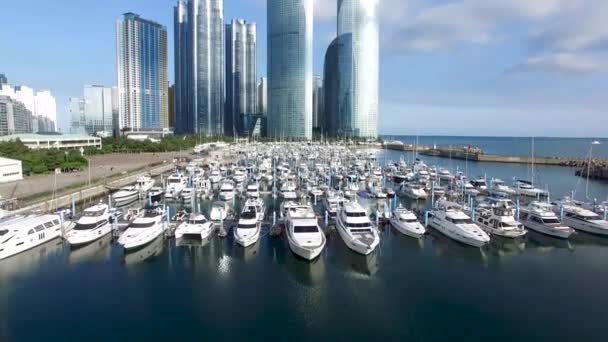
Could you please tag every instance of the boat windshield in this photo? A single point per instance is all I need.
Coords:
(2, 232)
(246, 226)
(462, 221)
(141, 225)
(89, 226)
(359, 225)
(550, 221)
(91, 213)
(174, 181)
(355, 214)
(197, 221)
(409, 220)
(305, 229)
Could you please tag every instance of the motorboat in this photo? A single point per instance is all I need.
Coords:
(412, 190)
(390, 193)
(499, 220)
(449, 219)
(333, 204)
(253, 190)
(144, 183)
(480, 183)
(175, 184)
(247, 230)
(581, 219)
(20, 234)
(351, 190)
(406, 222)
(305, 237)
(219, 211)
(203, 188)
(180, 216)
(256, 205)
(215, 176)
(399, 177)
(196, 226)
(356, 229)
(125, 195)
(143, 230)
(445, 175)
(155, 194)
(239, 176)
(227, 191)
(499, 187)
(94, 224)
(539, 217)
(526, 188)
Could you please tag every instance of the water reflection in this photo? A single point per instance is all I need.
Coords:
(151, 250)
(95, 251)
(351, 263)
(546, 244)
(29, 261)
(504, 248)
(445, 247)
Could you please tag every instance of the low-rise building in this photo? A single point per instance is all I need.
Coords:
(10, 170)
(59, 141)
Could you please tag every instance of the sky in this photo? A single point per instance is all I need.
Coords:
(447, 67)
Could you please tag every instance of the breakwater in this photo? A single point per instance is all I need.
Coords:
(597, 170)
(477, 155)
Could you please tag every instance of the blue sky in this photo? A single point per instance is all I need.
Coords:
(457, 67)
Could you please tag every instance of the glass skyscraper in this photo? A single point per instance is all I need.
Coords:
(358, 67)
(199, 66)
(141, 47)
(98, 109)
(241, 87)
(290, 33)
(331, 121)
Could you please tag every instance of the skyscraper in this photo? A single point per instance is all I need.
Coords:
(199, 66)
(98, 109)
(263, 96)
(141, 47)
(317, 101)
(76, 110)
(3, 79)
(358, 55)
(331, 84)
(241, 87)
(290, 33)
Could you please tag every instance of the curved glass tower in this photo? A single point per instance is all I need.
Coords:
(290, 25)
(330, 88)
(358, 56)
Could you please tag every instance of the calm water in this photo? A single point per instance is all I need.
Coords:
(513, 146)
(419, 290)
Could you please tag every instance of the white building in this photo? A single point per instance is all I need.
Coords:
(10, 170)
(41, 103)
(58, 141)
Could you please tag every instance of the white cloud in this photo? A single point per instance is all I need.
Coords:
(471, 22)
(570, 63)
(391, 11)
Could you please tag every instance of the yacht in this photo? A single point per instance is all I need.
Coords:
(94, 224)
(196, 226)
(449, 219)
(253, 190)
(406, 222)
(247, 231)
(187, 194)
(445, 175)
(356, 229)
(175, 184)
(413, 190)
(499, 187)
(499, 220)
(227, 191)
(399, 177)
(143, 230)
(333, 204)
(581, 219)
(22, 233)
(219, 211)
(215, 176)
(480, 183)
(239, 176)
(125, 195)
(144, 183)
(539, 217)
(305, 237)
(155, 194)
(256, 205)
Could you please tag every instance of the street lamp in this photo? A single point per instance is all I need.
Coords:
(593, 143)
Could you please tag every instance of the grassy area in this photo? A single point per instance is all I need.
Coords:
(41, 161)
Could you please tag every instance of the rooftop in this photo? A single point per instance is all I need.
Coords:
(28, 137)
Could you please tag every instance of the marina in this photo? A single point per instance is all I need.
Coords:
(276, 220)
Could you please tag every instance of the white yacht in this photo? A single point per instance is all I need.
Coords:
(215, 176)
(445, 175)
(351, 190)
(526, 188)
(227, 191)
(22, 233)
(581, 219)
(539, 217)
(239, 176)
(499, 220)
(144, 183)
(94, 224)
(333, 204)
(256, 205)
(253, 190)
(187, 193)
(196, 226)
(175, 184)
(305, 237)
(501, 188)
(219, 211)
(125, 195)
(449, 219)
(413, 190)
(155, 194)
(143, 230)
(247, 231)
(406, 222)
(356, 229)
(480, 183)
